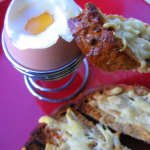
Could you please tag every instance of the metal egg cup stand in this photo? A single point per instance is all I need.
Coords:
(57, 74)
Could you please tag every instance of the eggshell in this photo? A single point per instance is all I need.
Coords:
(54, 57)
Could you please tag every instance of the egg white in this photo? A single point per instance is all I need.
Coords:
(21, 11)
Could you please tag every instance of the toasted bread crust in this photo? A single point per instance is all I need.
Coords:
(43, 135)
(105, 118)
(99, 44)
(89, 115)
(32, 145)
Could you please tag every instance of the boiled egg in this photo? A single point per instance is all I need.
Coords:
(37, 34)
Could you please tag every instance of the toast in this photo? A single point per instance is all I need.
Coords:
(68, 129)
(33, 145)
(112, 42)
(123, 108)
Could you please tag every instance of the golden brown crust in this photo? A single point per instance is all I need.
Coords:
(99, 44)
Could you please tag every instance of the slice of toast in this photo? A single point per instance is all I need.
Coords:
(33, 145)
(68, 129)
(112, 42)
(125, 109)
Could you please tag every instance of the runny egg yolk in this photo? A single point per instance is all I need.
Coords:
(39, 24)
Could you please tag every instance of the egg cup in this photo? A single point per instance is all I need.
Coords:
(31, 75)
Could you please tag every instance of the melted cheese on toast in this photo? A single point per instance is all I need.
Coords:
(78, 137)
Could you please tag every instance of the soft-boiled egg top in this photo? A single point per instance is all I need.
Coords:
(37, 34)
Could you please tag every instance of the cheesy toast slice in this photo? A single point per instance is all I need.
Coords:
(112, 42)
(68, 129)
(123, 108)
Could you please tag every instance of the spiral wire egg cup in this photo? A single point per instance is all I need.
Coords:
(52, 75)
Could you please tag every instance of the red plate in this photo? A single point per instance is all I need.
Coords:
(19, 110)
